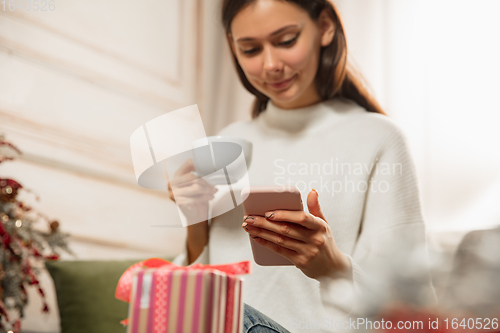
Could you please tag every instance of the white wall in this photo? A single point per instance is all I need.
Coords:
(434, 67)
(74, 84)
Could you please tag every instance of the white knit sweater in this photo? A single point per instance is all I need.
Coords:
(360, 165)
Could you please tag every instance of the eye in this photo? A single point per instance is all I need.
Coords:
(249, 51)
(290, 41)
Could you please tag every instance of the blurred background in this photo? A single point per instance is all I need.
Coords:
(75, 82)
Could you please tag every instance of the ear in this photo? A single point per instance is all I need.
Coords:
(327, 28)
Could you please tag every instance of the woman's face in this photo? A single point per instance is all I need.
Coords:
(277, 46)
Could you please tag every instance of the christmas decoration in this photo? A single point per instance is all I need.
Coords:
(23, 249)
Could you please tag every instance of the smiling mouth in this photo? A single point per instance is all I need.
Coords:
(281, 84)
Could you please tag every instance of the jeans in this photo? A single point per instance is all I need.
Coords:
(257, 322)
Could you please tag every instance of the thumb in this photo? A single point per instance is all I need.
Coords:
(313, 204)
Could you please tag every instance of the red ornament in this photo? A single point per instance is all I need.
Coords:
(52, 257)
(8, 190)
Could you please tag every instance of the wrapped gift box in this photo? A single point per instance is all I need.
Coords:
(165, 298)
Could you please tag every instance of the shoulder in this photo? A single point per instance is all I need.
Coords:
(382, 125)
(372, 125)
(369, 130)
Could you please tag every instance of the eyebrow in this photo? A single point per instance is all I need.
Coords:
(247, 39)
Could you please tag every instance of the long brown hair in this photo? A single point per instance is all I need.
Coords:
(335, 76)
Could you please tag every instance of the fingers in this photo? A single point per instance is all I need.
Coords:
(301, 218)
(284, 251)
(186, 167)
(286, 229)
(193, 190)
(291, 255)
(183, 179)
(313, 204)
(189, 185)
(276, 238)
(299, 253)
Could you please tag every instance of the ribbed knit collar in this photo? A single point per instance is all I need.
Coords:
(301, 119)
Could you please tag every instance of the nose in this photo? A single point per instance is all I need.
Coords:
(271, 60)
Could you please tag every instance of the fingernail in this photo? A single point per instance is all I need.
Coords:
(316, 192)
(244, 224)
(269, 215)
(249, 219)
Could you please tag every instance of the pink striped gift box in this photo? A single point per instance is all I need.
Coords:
(174, 299)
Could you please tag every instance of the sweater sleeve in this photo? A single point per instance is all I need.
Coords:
(391, 240)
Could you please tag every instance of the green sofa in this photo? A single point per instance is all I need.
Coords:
(86, 295)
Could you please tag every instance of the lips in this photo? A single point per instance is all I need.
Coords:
(281, 84)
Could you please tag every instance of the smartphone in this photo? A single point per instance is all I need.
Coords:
(261, 199)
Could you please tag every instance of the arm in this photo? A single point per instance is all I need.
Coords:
(196, 249)
(192, 195)
(392, 242)
(197, 240)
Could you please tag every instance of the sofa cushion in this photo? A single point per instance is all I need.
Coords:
(86, 295)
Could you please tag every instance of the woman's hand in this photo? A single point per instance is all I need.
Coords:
(303, 238)
(191, 193)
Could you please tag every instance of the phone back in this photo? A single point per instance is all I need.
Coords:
(261, 199)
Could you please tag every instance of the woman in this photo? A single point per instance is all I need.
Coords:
(314, 126)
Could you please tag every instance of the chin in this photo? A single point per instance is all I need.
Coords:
(286, 96)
